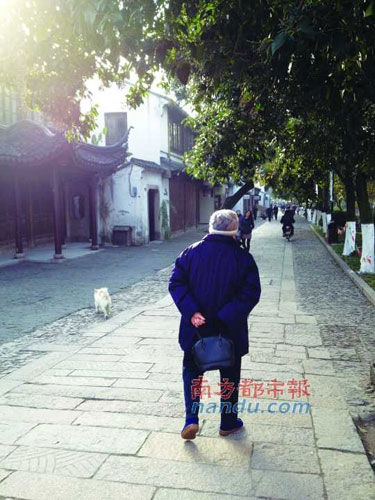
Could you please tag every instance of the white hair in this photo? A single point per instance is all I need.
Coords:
(224, 222)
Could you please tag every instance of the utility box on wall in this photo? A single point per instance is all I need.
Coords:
(122, 236)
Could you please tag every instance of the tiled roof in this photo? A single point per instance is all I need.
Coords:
(151, 165)
(172, 165)
(28, 144)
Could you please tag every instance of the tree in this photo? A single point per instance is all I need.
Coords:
(286, 58)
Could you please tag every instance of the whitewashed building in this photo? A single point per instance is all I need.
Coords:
(151, 195)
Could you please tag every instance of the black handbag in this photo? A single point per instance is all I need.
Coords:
(213, 353)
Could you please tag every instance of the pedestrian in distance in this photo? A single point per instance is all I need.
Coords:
(275, 211)
(238, 235)
(215, 285)
(246, 227)
(288, 220)
(239, 215)
(269, 213)
(255, 212)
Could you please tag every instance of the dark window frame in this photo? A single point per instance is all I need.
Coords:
(180, 137)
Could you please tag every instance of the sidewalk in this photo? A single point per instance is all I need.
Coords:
(101, 420)
(44, 254)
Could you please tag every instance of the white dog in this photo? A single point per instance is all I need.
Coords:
(103, 301)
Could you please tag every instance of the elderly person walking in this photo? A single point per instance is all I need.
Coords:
(215, 285)
(246, 225)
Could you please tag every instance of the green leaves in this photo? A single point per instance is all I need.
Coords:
(278, 42)
(370, 11)
(305, 27)
(256, 73)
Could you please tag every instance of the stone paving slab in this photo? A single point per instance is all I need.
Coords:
(129, 332)
(347, 475)
(208, 450)
(26, 414)
(7, 385)
(284, 420)
(79, 381)
(167, 494)
(33, 486)
(102, 365)
(263, 433)
(11, 431)
(50, 461)
(95, 393)
(133, 407)
(5, 450)
(85, 438)
(118, 375)
(288, 485)
(52, 347)
(175, 474)
(285, 458)
(129, 421)
(335, 429)
(40, 401)
(36, 367)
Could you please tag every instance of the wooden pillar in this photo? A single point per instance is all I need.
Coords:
(30, 217)
(63, 215)
(18, 216)
(57, 214)
(93, 215)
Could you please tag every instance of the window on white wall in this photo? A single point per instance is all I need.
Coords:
(181, 137)
(116, 125)
(175, 142)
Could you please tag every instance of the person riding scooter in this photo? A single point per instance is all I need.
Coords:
(288, 220)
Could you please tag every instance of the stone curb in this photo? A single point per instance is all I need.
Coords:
(367, 291)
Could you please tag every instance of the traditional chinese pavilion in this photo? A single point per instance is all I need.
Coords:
(48, 186)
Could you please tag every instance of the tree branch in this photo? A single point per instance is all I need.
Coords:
(231, 201)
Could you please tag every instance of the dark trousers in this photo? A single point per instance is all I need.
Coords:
(191, 372)
(246, 243)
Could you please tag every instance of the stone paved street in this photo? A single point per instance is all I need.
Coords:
(55, 301)
(34, 294)
(346, 319)
(99, 417)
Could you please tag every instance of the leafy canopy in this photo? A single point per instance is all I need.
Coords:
(248, 68)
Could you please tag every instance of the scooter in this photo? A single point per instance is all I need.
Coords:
(288, 232)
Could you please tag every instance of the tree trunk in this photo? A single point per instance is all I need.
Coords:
(324, 222)
(307, 205)
(231, 201)
(326, 203)
(350, 226)
(367, 225)
(363, 201)
(350, 197)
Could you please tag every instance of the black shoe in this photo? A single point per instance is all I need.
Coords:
(238, 425)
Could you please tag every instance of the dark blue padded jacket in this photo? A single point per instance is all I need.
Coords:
(220, 280)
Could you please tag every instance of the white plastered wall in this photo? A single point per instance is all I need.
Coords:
(125, 199)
